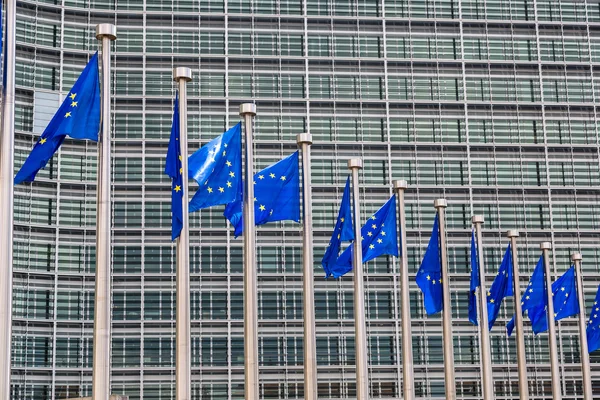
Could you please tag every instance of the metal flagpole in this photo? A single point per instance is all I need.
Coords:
(440, 205)
(521, 361)
(484, 332)
(407, 354)
(7, 154)
(101, 367)
(304, 140)
(248, 111)
(360, 326)
(556, 395)
(583, 346)
(183, 75)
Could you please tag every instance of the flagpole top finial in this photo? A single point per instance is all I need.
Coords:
(512, 233)
(477, 219)
(304, 138)
(576, 257)
(440, 203)
(545, 246)
(400, 185)
(106, 30)
(248, 109)
(184, 73)
(355, 163)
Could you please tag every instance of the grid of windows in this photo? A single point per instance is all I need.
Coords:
(489, 103)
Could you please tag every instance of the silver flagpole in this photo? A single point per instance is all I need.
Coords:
(7, 154)
(556, 395)
(583, 346)
(248, 111)
(486, 360)
(521, 361)
(101, 367)
(304, 141)
(407, 354)
(360, 326)
(183, 75)
(440, 205)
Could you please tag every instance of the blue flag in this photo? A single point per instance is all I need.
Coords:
(501, 287)
(276, 195)
(429, 275)
(217, 167)
(173, 170)
(564, 300)
(474, 281)
(77, 117)
(593, 327)
(534, 294)
(343, 231)
(379, 236)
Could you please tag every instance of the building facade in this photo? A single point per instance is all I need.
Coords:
(490, 104)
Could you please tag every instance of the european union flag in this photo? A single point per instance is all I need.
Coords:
(173, 170)
(343, 231)
(564, 300)
(429, 275)
(474, 281)
(217, 167)
(276, 195)
(534, 294)
(593, 329)
(77, 117)
(501, 287)
(379, 236)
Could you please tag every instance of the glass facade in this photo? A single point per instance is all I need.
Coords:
(491, 104)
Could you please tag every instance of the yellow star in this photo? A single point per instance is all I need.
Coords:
(342, 219)
(440, 280)
(489, 293)
(283, 178)
(492, 301)
(42, 140)
(181, 170)
(72, 96)
(73, 104)
(379, 241)
(382, 233)
(228, 184)
(255, 199)
(428, 277)
(262, 208)
(371, 246)
(67, 115)
(224, 153)
(221, 189)
(374, 226)
(373, 218)
(177, 188)
(209, 189)
(228, 163)
(339, 236)
(369, 234)
(261, 177)
(231, 174)
(180, 158)
(225, 145)
(272, 175)
(433, 282)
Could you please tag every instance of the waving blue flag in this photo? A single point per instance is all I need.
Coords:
(593, 328)
(474, 284)
(429, 275)
(217, 167)
(276, 195)
(343, 231)
(173, 170)
(501, 287)
(77, 117)
(534, 295)
(379, 236)
(564, 300)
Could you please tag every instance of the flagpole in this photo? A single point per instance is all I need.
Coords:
(304, 141)
(183, 75)
(102, 306)
(360, 327)
(486, 367)
(248, 111)
(407, 354)
(7, 152)
(440, 205)
(521, 361)
(556, 395)
(583, 345)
